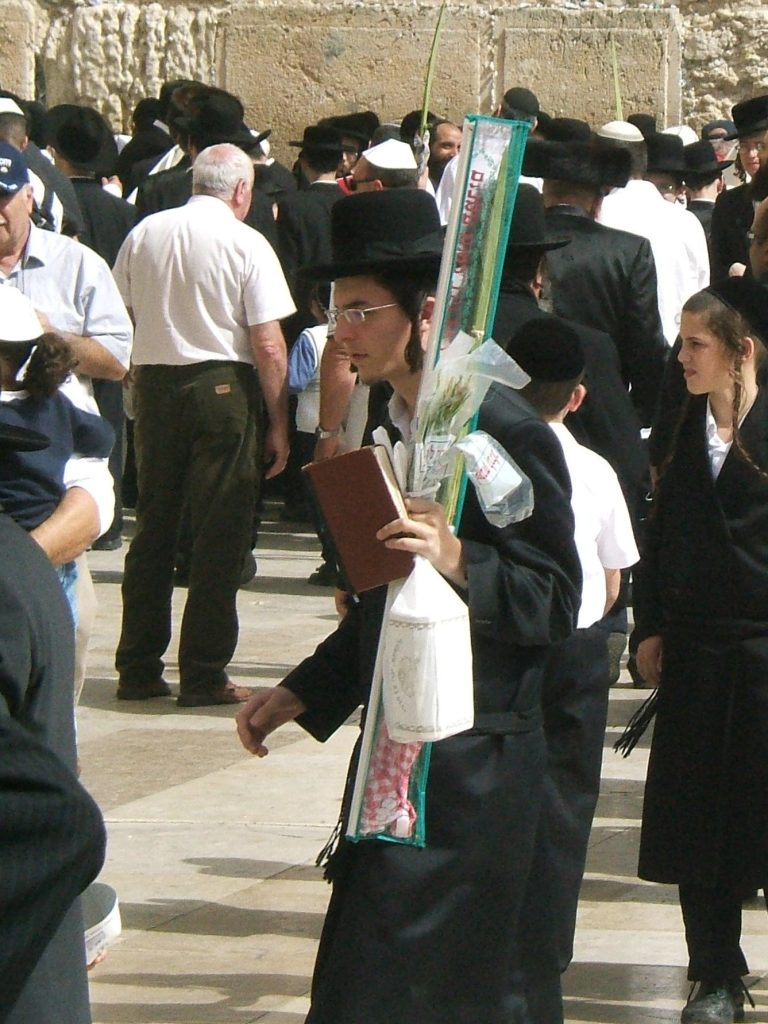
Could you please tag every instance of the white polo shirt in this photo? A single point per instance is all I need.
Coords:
(195, 279)
(603, 535)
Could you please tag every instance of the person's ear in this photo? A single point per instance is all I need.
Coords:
(427, 312)
(376, 186)
(747, 349)
(576, 399)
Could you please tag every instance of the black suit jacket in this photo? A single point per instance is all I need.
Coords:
(106, 218)
(606, 279)
(52, 832)
(607, 421)
(139, 155)
(304, 238)
(731, 223)
(172, 188)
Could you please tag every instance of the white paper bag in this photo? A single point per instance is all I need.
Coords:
(427, 663)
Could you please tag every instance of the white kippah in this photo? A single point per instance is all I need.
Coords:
(9, 106)
(18, 319)
(682, 131)
(620, 131)
(392, 156)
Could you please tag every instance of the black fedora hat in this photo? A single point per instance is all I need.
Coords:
(665, 154)
(701, 161)
(321, 138)
(81, 136)
(568, 129)
(360, 125)
(750, 116)
(218, 118)
(529, 227)
(375, 231)
(596, 164)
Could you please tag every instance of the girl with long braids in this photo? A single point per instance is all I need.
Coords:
(701, 609)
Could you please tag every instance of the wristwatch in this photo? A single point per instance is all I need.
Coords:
(321, 434)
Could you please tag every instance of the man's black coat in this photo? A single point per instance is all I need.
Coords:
(606, 279)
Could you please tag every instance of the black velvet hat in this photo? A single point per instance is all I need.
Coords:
(360, 126)
(218, 118)
(374, 231)
(548, 349)
(593, 164)
(82, 136)
(665, 154)
(520, 103)
(568, 129)
(321, 138)
(749, 298)
(701, 162)
(529, 227)
(750, 116)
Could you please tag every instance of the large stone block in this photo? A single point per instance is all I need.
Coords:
(297, 63)
(566, 57)
(17, 47)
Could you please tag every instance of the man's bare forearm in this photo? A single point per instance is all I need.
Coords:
(271, 359)
(93, 359)
(337, 382)
(70, 529)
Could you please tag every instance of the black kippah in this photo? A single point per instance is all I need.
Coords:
(548, 349)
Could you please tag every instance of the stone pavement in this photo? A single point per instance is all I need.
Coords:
(212, 852)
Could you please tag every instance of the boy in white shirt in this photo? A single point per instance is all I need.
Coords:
(576, 691)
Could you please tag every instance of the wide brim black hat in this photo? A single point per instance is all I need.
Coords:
(528, 230)
(217, 119)
(701, 161)
(594, 164)
(665, 154)
(320, 138)
(747, 297)
(82, 137)
(750, 116)
(567, 129)
(20, 439)
(360, 125)
(376, 231)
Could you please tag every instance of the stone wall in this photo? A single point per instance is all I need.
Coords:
(296, 60)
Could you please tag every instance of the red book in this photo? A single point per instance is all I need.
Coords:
(358, 494)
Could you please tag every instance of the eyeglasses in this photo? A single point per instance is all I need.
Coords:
(354, 183)
(353, 316)
(752, 147)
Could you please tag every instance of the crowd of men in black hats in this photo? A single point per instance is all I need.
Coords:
(616, 226)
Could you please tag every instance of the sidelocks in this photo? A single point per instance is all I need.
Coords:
(422, 683)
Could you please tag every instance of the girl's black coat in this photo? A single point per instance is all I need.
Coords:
(703, 585)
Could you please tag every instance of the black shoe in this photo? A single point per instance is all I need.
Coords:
(143, 691)
(249, 569)
(325, 575)
(718, 1002)
(107, 543)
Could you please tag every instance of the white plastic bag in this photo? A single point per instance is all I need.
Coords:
(427, 663)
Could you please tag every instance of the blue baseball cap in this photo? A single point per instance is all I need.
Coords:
(13, 170)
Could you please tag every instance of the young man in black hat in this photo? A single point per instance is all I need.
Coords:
(429, 935)
(666, 165)
(735, 209)
(606, 278)
(704, 183)
(576, 696)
